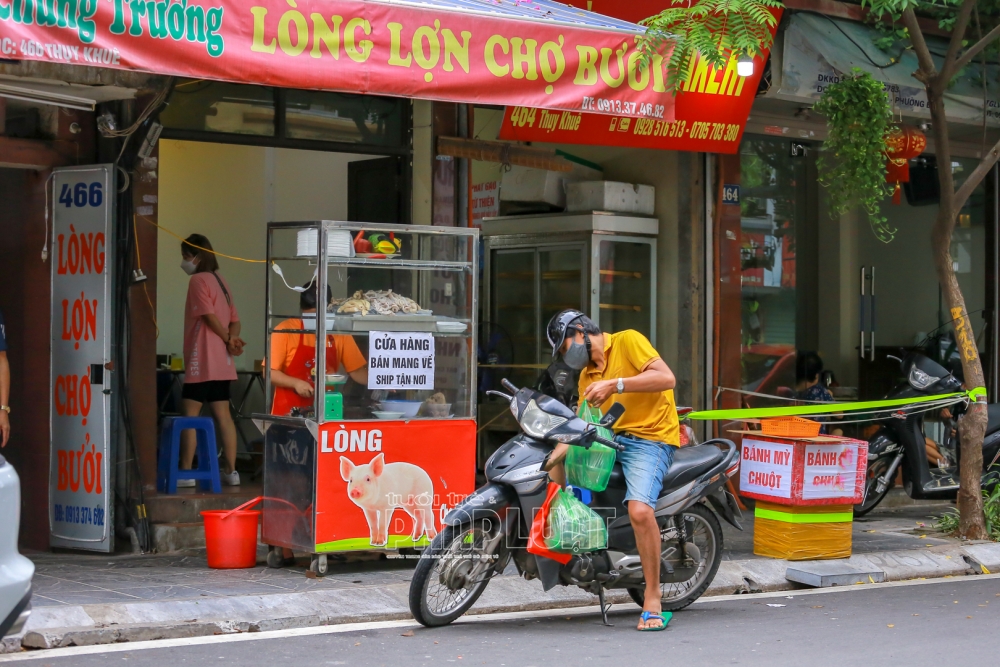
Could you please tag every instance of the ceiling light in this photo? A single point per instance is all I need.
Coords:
(744, 66)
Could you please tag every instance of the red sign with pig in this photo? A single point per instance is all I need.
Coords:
(389, 484)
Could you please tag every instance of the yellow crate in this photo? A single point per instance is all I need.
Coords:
(802, 533)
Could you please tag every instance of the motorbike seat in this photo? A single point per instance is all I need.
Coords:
(689, 463)
(993, 417)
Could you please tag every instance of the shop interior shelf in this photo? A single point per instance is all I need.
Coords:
(621, 274)
(419, 264)
(621, 306)
(343, 332)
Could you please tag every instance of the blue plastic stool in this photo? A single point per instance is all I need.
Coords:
(207, 471)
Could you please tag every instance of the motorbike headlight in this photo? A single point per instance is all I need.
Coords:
(921, 380)
(537, 423)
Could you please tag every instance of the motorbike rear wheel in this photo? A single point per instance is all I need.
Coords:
(453, 572)
(872, 496)
(705, 532)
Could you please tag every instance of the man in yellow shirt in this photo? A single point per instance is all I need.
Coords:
(625, 368)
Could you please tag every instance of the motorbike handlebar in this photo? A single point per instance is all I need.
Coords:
(508, 385)
(609, 443)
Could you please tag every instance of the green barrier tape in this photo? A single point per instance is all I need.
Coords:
(828, 408)
(787, 517)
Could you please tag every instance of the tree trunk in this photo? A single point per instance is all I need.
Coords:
(972, 425)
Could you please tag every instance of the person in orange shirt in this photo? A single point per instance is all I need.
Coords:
(293, 357)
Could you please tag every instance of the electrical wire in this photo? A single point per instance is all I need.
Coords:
(138, 267)
(214, 252)
(151, 108)
(759, 395)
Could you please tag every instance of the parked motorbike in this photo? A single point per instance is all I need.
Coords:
(491, 527)
(900, 441)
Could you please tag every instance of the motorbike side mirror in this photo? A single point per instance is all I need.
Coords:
(614, 414)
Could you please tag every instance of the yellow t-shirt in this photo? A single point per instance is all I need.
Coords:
(650, 416)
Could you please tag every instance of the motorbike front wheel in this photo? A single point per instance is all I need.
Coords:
(453, 572)
(705, 533)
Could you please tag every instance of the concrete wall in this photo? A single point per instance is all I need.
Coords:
(229, 193)
(423, 155)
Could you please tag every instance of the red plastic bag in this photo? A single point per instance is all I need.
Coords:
(536, 539)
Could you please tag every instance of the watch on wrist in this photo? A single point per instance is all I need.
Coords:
(621, 385)
(5, 408)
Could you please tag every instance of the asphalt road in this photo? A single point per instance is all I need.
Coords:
(948, 621)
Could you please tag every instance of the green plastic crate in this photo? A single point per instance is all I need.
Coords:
(591, 468)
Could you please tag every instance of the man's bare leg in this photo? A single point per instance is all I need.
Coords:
(647, 539)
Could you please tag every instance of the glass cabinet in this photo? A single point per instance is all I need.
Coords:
(392, 385)
(537, 265)
(380, 279)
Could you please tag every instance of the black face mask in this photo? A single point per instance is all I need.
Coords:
(578, 355)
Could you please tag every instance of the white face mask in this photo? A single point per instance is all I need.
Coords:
(189, 267)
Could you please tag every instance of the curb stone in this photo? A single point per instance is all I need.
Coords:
(79, 625)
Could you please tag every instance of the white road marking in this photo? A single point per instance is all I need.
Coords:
(409, 623)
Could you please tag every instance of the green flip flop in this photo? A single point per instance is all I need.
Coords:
(664, 617)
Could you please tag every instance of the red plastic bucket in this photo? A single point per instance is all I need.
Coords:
(231, 541)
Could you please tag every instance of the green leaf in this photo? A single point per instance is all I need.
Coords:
(852, 162)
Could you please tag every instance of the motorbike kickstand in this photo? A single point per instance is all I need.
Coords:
(604, 607)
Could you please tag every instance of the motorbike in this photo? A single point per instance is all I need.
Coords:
(490, 528)
(900, 443)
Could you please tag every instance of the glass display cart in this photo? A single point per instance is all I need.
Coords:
(537, 265)
(372, 453)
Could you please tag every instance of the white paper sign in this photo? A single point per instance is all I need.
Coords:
(485, 201)
(830, 471)
(400, 360)
(766, 468)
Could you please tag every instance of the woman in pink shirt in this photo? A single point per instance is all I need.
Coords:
(211, 340)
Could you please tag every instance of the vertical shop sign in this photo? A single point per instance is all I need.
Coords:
(80, 485)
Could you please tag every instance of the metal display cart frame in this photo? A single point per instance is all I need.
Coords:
(308, 459)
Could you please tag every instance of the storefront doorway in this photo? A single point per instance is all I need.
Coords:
(799, 277)
(235, 157)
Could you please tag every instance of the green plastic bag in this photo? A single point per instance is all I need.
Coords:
(591, 468)
(574, 528)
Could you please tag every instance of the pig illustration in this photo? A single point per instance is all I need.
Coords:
(379, 488)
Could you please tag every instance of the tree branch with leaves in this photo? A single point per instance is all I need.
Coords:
(962, 48)
(713, 29)
(716, 30)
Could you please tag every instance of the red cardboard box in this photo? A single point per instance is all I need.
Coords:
(820, 470)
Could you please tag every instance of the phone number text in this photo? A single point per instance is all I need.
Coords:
(87, 516)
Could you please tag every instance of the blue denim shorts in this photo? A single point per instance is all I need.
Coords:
(645, 463)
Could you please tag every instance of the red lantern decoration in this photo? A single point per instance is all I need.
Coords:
(902, 144)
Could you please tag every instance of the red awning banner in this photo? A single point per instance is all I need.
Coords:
(378, 47)
(710, 111)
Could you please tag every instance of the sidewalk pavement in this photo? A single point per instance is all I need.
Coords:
(92, 599)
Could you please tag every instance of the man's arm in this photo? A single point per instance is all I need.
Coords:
(4, 399)
(655, 377)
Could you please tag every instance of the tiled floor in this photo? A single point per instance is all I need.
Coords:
(66, 578)
(885, 529)
(91, 579)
